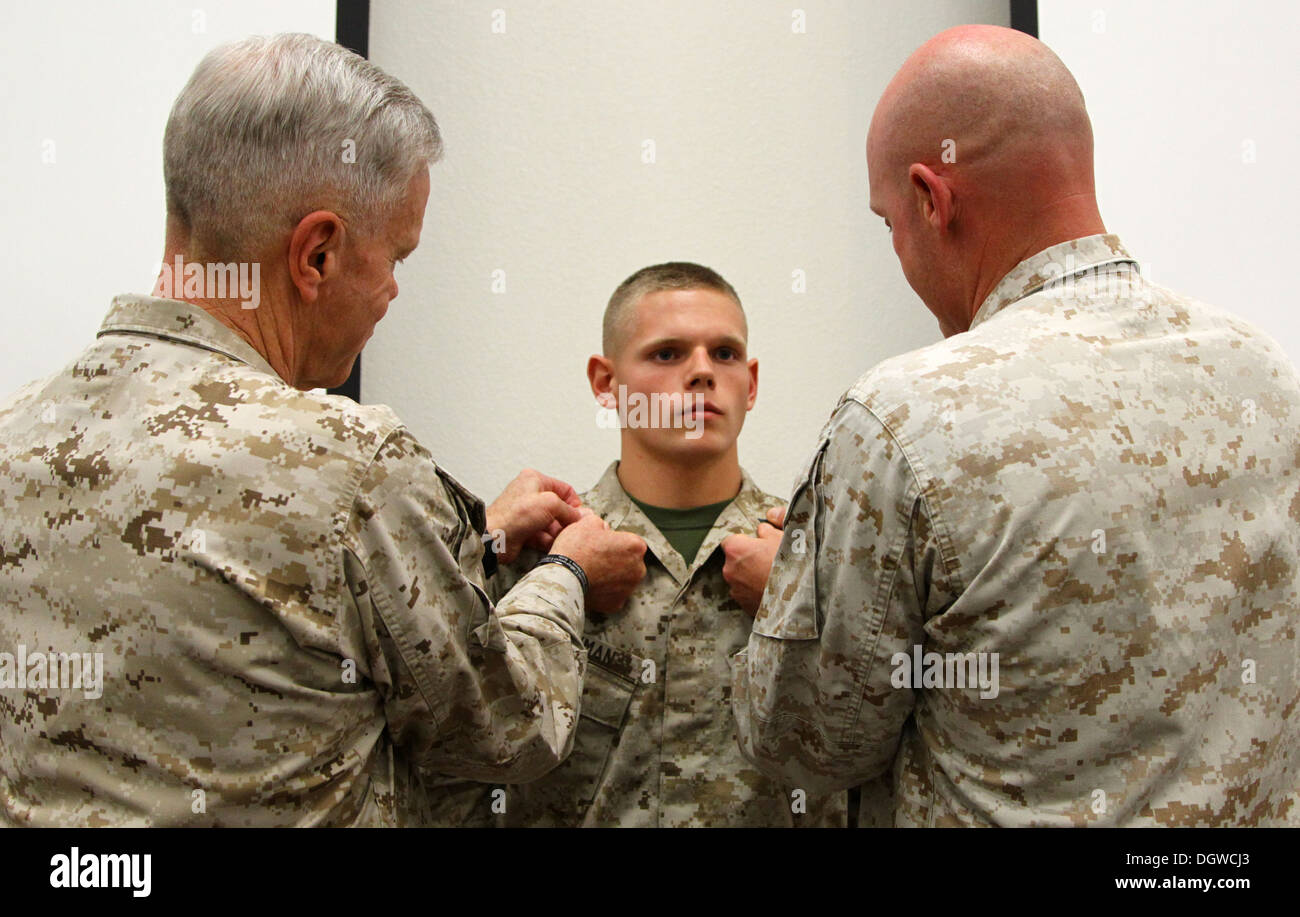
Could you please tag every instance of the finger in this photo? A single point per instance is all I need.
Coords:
(559, 510)
(592, 522)
(524, 482)
(562, 489)
(767, 532)
(737, 545)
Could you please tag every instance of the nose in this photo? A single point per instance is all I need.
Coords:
(700, 370)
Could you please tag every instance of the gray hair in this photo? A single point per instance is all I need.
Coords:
(672, 275)
(269, 129)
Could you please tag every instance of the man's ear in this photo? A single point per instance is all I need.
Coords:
(314, 252)
(600, 373)
(753, 384)
(933, 194)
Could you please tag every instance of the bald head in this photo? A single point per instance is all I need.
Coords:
(1005, 101)
(980, 155)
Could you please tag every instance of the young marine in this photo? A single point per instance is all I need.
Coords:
(656, 742)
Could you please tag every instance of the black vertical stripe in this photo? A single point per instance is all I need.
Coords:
(1024, 16)
(352, 31)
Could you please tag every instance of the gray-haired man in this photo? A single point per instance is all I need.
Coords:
(285, 593)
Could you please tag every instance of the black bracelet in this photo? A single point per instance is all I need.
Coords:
(570, 564)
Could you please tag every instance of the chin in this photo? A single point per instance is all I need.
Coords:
(341, 376)
(710, 444)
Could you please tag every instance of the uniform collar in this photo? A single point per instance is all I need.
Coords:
(1064, 259)
(182, 322)
(742, 515)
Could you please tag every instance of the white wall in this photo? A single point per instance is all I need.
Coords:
(86, 91)
(759, 172)
(759, 136)
(1194, 111)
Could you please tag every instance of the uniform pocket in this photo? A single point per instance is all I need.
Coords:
(467, 542)
(562, 797)
(789, 610)
(606, 696)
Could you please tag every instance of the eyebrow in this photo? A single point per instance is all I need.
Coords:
(729, 340)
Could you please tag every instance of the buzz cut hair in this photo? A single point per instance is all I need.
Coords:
(671, 275)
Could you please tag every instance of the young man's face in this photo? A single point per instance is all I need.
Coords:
(682, 343)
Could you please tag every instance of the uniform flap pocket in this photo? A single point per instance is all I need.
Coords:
(472, 505)
(610, 683)
(790, 619)
(789, 609)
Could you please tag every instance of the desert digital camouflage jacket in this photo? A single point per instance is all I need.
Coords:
(286, 592)
(1097, 488)
(656, 743)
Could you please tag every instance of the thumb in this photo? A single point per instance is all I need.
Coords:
(776, 516)
(559, 510)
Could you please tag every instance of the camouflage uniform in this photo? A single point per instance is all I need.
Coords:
(288, 595)
(1100, 483)
(656, 743)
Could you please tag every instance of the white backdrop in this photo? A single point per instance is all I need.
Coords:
(1194, 111)
(85, 88)
(758, 171)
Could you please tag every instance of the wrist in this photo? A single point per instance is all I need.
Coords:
(571, 565)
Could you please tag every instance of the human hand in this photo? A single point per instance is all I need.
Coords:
(749, 561)
(531, 511)
(613, 561)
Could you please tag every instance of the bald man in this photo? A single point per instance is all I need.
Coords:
(1042, 572)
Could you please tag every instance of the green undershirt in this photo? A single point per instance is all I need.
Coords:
(685, 529)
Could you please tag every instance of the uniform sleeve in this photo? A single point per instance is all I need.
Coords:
(469, 689)
(814, 694)
(507, 576)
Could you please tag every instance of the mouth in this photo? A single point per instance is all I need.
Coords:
(706, 410)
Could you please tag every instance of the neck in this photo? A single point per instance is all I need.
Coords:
(252, 311)
(679, 484)
(1073, 216)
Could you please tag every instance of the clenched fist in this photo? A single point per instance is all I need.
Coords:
(613, 561)
(749, 560)
(530, 511)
